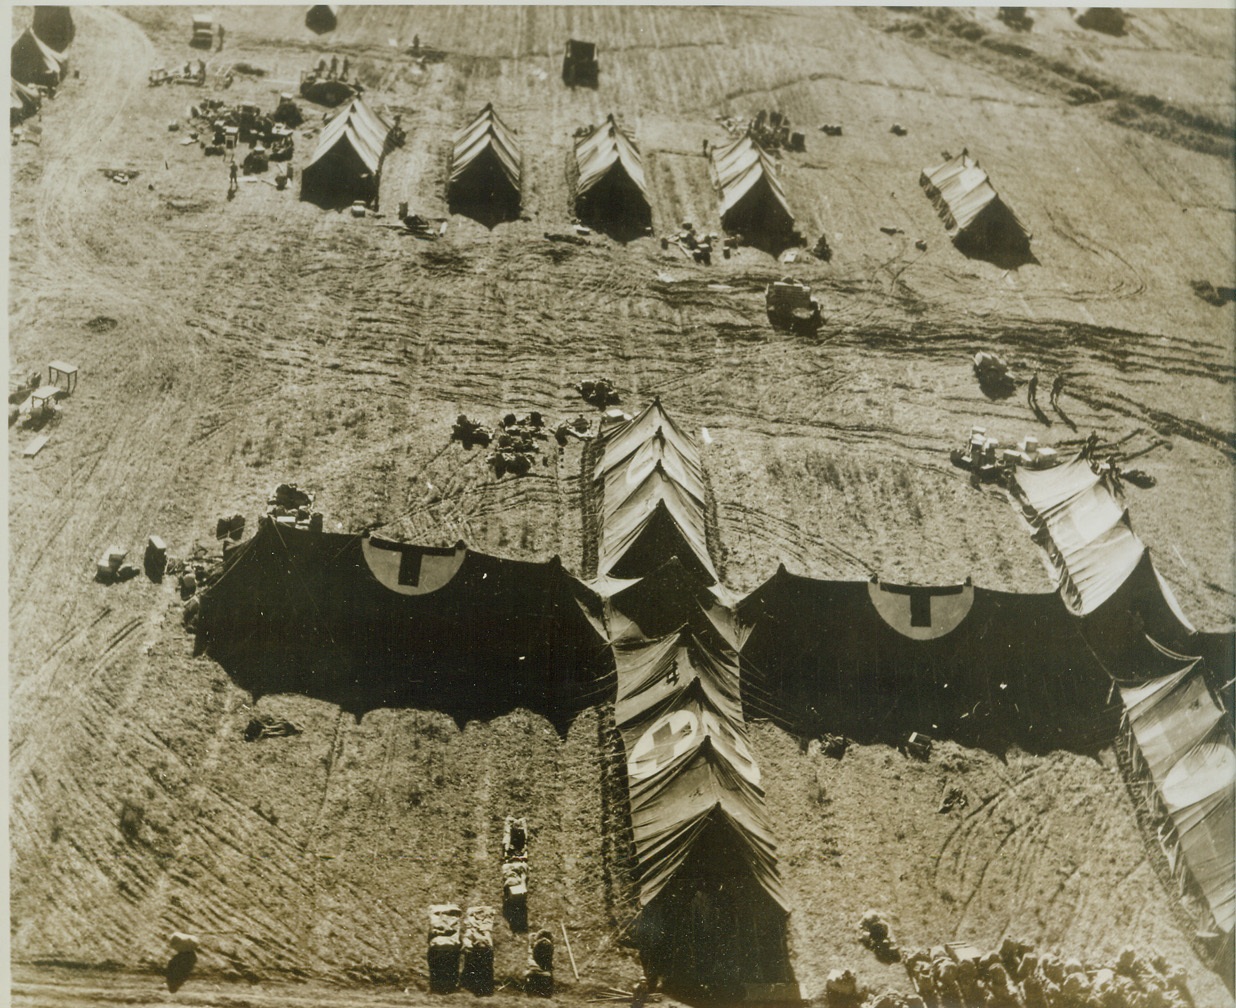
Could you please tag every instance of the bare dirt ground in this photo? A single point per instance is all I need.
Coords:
(227, 346)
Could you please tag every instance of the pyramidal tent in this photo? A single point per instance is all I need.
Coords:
(486, 169)
(972, 211)
(753, 202)
(54, 25)
(35, 62)
(347, 163)
(609, 171)
(652, 498)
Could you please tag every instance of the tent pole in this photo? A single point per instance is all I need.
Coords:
(569, 952)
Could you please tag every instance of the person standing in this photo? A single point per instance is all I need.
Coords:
(1032, 397)
(1057, 387)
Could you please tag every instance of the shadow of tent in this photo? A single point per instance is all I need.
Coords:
(616, 208)
(998, 237)
(178, 969)
(489, 213)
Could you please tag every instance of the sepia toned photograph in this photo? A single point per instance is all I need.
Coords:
(622, 505)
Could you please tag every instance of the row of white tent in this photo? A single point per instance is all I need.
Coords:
(609, 180)
(1175, 728)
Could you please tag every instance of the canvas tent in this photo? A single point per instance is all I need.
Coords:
(1180, 739)
(609, 178)
(365, 622)
(54, 25)
(322, 18)
(35, 62)
(652, 498)
(486, 169)
(978, 219)
(753, 202)
(875, 661)
(23, 102)
(347, 163)
(1105, 572)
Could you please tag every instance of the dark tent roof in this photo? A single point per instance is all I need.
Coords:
(347, 162)
(971, 208)
(485, 174)
(875, 661)
(365, 623)
(35, 62)
(321, 18)
(752, 200)
(609, 170)
(54, 25)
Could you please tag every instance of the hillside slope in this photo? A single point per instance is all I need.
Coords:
(226, 346)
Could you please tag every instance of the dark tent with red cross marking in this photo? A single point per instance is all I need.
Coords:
(367, 623)
(875, 661)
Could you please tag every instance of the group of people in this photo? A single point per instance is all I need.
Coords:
(1032, 392)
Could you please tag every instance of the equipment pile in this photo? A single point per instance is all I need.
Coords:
(598, 392)
(226, 126)
(517, 444)
(770, 129)
(289, 505)
(1018, 976)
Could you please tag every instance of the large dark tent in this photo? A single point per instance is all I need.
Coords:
(35, 62)
(610, 191)
(347, 163)
(321, 18)
(54, 25)
(753, 203)
(875, 661)
(486, 170)
(364, 623)
(979, 221)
